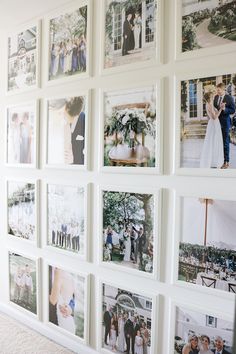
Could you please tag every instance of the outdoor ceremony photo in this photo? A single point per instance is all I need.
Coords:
(208, 122)
(197, 332)
(23, 59)
(21, 135)
(208, 23)
(23, 282)
(21, 216)
(66, 218)
(68, 44)
(128, 230)
(207, 248)
(127, 321)
(130, 31)
(67, 299)
(66, 144)
(130, 128)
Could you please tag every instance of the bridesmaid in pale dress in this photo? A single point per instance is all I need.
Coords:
(145, 336)
(121, 333)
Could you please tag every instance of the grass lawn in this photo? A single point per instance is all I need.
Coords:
(223, 32)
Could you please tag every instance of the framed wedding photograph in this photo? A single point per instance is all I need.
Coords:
(130, 229)
(24, 283)
(206, 125)
(22, 210)
(67, 213)
(131, 32)
(205, 27)
(198, 330)
(67, 132)
(23, 58)
(22, 135)
(206, 260)
(68, 33)
(131, 130)
(68, 302)
(126, 320)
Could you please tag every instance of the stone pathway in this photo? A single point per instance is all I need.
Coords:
(207, 39)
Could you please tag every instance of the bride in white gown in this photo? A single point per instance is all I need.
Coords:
(121, 333)
(127, 243)
(212, 155)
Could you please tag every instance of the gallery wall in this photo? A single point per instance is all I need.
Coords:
(170, 183)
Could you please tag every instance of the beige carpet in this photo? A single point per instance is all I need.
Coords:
(18, 339)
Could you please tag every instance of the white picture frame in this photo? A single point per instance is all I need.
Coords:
(56, 328)
(36, 205)
(157, 198)
(191, 171)
(37, 261)
(158, 168)
(87, 110)
(196, 53)
(177, 239)
(138, 64)
(175, 304)
(69, 8)
(35, 105)
(86, 241)
(15, 32)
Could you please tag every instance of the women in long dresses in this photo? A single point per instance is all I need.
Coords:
(138, 344)
(14, 146)
(121, 333)
(82, 53)
(127, 243)
(145, 336)
(26, 137)
(212, 155)
(137, 30)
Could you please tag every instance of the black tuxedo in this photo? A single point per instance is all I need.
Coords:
(78, 145)
(126, 37)
(107, 322)
(129, 332)
(223, 352)
(225, 121)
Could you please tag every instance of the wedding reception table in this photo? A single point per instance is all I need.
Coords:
(220, 284)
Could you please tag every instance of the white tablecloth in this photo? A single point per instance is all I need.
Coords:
(220, 284)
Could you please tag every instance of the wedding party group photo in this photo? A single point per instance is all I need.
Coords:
(131, 128)
(208, 122)
(128, 230)
(206, 258)
(130, 31)
(21, 135)
(200, 333)
(66, 130)
(68, 44)
(66, 218)
(21, 214)
(23, 282)
(23, 59)
(127, 321)
(208, 23)
(67, 301)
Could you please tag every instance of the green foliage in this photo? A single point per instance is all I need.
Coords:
(184, 96)
(188, 34)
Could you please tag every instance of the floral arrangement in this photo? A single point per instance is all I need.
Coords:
(128, 121)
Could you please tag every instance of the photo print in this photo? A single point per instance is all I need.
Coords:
(130, 31)
(21, 135)
(208, 23)
(22, 214)
(22, 59)
(66, 131)
(68, 44)
(197, 332)
(67, 301)
(205, 258)
(23, 282)
(128, 229)
(130, 128)
(127, 321)
(208, 122)
(66, 218)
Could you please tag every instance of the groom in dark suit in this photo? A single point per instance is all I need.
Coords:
(219, 346)
(225, 102)
(127, 30)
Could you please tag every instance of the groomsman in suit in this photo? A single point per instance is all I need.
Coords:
(129, 332)
(127, 30)
(219, 346)
(107, 322)
(226, 102)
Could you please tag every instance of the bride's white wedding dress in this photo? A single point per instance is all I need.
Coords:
(212, 155)
(66, 323)
(127, 248)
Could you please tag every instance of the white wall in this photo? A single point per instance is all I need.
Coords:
(218, 187)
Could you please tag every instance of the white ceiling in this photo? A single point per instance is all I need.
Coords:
(16, 12)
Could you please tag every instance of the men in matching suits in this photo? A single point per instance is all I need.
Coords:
(225, 102)
(129, 332)
(127, 30)
(219, 346)
(107, 322)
